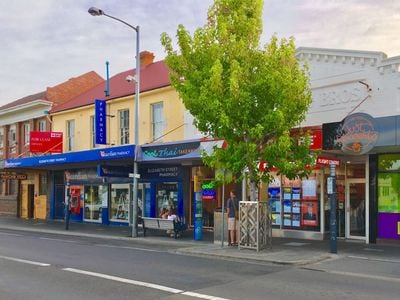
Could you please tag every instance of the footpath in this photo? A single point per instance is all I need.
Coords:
(284, 250)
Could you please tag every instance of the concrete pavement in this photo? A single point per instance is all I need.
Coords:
(284, 250)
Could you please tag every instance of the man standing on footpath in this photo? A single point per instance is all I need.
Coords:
(233, 218)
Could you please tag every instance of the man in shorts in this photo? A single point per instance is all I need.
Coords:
(233, 218)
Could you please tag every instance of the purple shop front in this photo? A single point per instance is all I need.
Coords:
(389, 225)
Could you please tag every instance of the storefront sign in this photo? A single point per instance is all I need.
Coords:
(161, 172)
(100, 121)
(327, 161)
(13, 176)
(356, 135)
(113, 171)
(208, 192)
(359, 134)
(316, 139)
(126, 151)
(170, 151)
(45, 142)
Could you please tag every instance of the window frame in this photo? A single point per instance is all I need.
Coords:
(123, 126)
(27, 130)
(157, 126)
(70, 130)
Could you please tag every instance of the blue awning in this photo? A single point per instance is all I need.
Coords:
(94, 155)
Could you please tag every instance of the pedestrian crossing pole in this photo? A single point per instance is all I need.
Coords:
(331, 188)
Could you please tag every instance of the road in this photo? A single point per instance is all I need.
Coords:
(46, 266)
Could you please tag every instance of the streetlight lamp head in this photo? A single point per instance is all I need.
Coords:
(94, 11)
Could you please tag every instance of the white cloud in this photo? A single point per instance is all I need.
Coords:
(46, 42)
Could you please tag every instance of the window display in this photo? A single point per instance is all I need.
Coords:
(119, 210)
(94, 196)
(167, 196)
(298, 207)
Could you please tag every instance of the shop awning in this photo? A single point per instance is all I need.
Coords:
(94, 155)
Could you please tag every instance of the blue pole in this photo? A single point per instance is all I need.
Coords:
(107, 91)
(332, 195)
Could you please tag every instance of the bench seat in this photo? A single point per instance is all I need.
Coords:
(163, 224)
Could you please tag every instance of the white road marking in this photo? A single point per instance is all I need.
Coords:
(202, 296)
(376, 259)
(59, 240)
(144, 284)
(358, 257)
(130, 248)
(125, 280)
(368, 276)
(25, 261)
(11, 234)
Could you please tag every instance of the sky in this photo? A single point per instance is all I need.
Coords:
(46, 42)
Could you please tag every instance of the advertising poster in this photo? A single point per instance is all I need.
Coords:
(296, 207)
(309, 189)
(287, 193)
(274, 192)
(296, 192)
(296, 220)
(309, 213)
(275, 205)
(287, 206)
(276, 219)
(287, 220)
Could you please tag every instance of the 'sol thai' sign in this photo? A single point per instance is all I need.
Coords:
(46, 142)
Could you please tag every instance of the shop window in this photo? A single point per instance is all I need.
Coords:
(295, 204)
(388, 193)
(42, 184)
(27, 130)
(157, 118)
(95, 197)
(123, 126)
(12, 186)
(167, 197)
(389, 162)
(70, 135)
(120, 199)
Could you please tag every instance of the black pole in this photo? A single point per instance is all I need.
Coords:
(332, 197)
(67, 212)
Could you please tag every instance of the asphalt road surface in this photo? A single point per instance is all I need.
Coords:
(45, 266)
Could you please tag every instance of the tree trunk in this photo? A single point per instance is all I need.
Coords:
(253, 191)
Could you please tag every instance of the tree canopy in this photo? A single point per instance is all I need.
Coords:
(249, 95)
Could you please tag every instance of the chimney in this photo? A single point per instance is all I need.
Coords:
(146, 58)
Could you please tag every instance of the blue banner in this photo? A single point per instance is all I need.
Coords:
(100, 121)
(126, 151)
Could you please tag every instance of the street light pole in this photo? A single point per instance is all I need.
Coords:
(133, 205)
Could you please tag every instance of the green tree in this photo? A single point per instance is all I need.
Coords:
(249, 95)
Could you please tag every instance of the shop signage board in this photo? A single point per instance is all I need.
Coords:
(357, 134)
(100, 121)
(327, 161)
(113, 171)
(13, 176)
(170, 151)
(112, 153)
(45, 142)
(156, 172)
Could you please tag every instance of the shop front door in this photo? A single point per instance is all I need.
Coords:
(355, 209)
